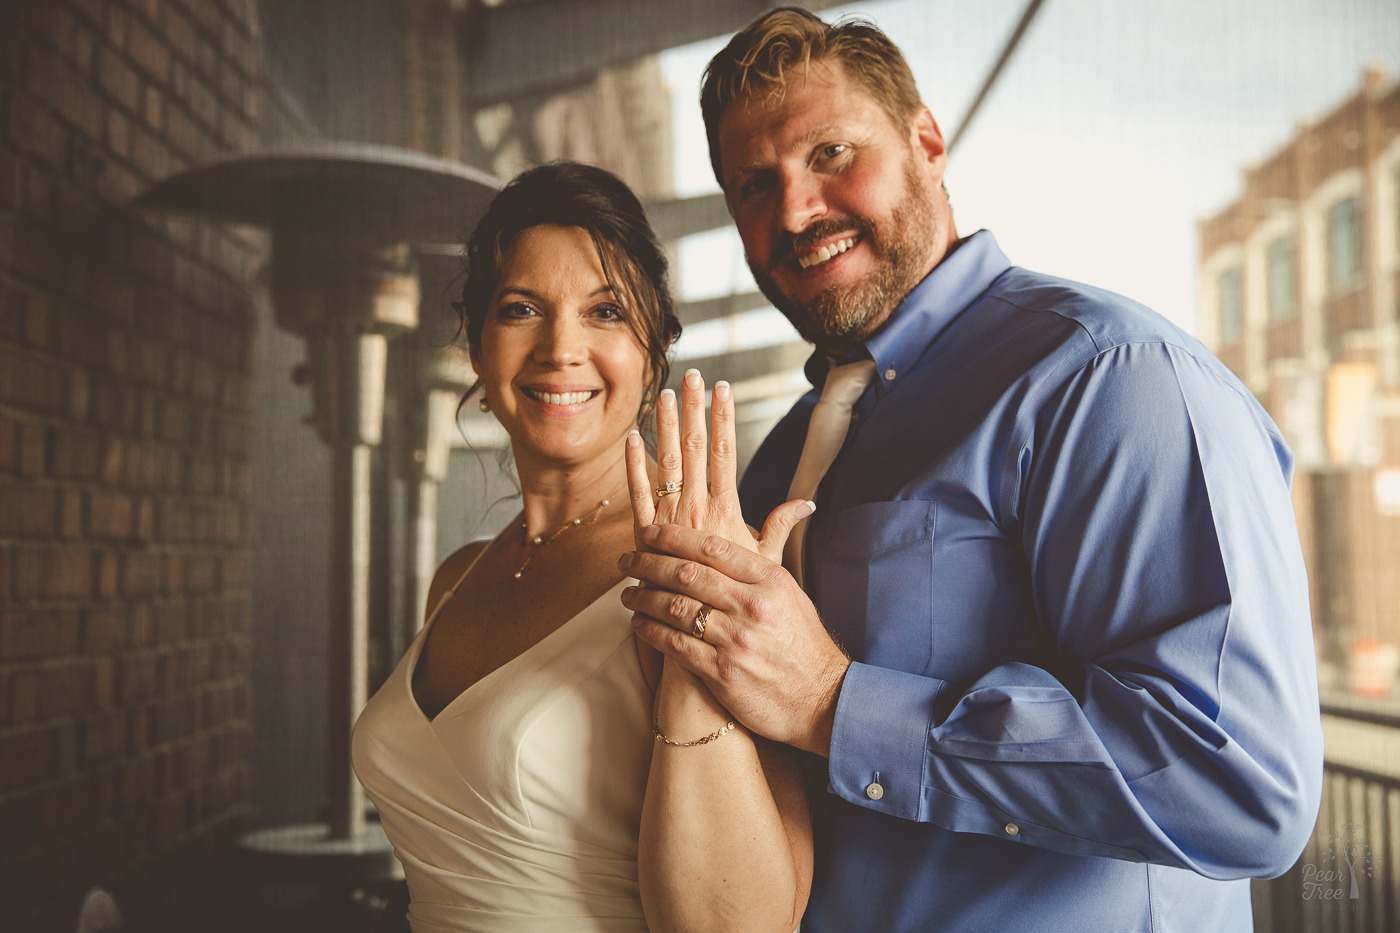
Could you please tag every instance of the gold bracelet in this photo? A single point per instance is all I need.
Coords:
(667, 740)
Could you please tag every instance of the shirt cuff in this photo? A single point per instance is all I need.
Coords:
(880, 739)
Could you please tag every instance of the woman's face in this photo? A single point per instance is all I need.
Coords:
(561, 367)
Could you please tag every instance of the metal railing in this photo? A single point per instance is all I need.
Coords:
(1348, 877)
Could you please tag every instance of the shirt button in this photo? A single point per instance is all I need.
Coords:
(890, 374)
(874, 791)
(1012, 829)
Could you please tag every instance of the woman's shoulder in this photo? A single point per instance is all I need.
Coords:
(452, 568)
(464, 555)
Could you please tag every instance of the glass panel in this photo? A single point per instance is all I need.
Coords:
(1227, 288)
(1282, 263)
(1343, 244)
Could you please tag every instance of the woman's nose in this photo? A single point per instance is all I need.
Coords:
(564, 342)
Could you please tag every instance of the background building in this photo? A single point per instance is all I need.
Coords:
(1300, 295)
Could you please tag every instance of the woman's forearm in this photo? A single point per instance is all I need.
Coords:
(725, 840)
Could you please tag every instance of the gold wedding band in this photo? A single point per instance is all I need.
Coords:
(702, 617)
(669, 488)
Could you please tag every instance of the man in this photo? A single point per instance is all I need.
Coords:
(1057, 652)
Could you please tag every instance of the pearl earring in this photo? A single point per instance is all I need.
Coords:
(484, 404)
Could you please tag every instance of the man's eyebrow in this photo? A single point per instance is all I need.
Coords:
(806, 140)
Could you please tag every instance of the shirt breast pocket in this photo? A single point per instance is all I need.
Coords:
(875, 582)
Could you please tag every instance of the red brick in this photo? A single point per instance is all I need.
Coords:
(25, 696)
(36, 322)
(9, 180)
(118, 138)
(26, 758)
(36, 132)
(170, 622)
(118, 23)
(203, 102)
(178, 29)
(147, 52)
(76, 454)
(108, 575)
(140, 574)
(30, 382)
(118, 184)
(104, 632)
(33, 450)
(65, 809)
(174, 421)
(27, 511)
(79, 393)
(79, 104)
(9, 443)
(37, 634)
(136, 680)
(42, 257)
(70, 513)
(120, 82)
(84, 46)
(110, 515)
(103, 737)
(207, 15)
(53, 573)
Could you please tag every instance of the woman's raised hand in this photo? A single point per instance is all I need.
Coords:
(697, 476)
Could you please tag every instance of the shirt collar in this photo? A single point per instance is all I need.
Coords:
(957, 281)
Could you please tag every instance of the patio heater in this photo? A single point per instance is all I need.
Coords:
(429, 371)
(345, 223)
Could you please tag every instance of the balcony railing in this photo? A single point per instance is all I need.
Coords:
(1348, 878)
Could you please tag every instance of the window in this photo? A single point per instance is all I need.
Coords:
(1395, 191)
(1343, 245)
(1229, 305)
(1281, 261)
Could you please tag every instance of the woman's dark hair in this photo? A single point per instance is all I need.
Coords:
(571, 194)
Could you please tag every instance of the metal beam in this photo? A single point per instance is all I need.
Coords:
(686, 216)
(539, 47)
(743, 365)
(1007, 51)
(708, 309)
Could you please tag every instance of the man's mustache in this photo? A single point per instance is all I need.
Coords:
(795, 244)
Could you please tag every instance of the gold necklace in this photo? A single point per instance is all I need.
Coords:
(534, 545)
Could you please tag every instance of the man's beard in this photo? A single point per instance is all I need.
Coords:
(841, 317)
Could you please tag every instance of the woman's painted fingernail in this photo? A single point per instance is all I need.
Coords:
(634, 438)
(722, 391)
(692, 378)
(667, 399)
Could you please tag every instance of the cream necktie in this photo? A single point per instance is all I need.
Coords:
(826, 432)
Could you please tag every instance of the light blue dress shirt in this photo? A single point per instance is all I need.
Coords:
(1060, 548)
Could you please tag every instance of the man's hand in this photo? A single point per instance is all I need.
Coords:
(765, 653)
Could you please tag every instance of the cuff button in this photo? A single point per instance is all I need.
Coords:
(1012, 829)
(874, 791)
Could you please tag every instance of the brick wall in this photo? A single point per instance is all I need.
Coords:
(125, 419)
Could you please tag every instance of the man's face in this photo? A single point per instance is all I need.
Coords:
(841, 212)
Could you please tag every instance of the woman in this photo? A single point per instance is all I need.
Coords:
(518, 747)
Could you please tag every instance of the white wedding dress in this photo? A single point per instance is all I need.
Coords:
(517, 808)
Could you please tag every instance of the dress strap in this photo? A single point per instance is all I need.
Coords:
(452, 591)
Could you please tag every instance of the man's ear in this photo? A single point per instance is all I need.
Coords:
(927, 140)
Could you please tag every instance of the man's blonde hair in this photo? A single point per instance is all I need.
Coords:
(758, 60)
